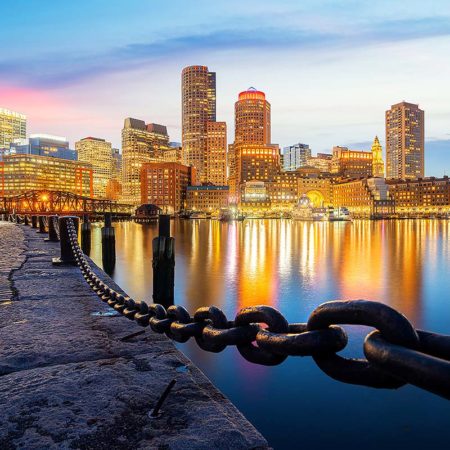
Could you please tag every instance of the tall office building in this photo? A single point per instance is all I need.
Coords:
(13, 125)
(377, 159)
(97, 152)
(252, 156)
(252, 118)
(296, 156)
(141, 143)
(216, 156)
(405, 141)
(198, 93)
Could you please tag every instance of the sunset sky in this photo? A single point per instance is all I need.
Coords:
(330, 69)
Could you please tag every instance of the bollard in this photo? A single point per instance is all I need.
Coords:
(86, 235)
(26, 221)
(41, 224)
(66, 248)
(18, 220)
(108, 245)
(34, 222)
(163, 264)
(52, 232)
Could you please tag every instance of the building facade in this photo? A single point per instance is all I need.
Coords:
(209, 199)
(198, 104)
(405, 141)
(296, 156)
(216, 157)
(98, 153)
(364, 197)
(421, 196)
(164, 184)
(321, 161)
(13, 125)
(22, 173)
(141, 143)
(351, 163)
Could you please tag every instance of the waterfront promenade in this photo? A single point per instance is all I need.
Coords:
(69, 380)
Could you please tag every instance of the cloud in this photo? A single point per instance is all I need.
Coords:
(54, 70)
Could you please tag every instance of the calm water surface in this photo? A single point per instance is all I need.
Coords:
(295, 266)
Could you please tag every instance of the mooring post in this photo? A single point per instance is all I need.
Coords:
(64, 239)
(86, 235)
(108, 245)
(41, 224)
(17, 218)
(52, 232)
(26, 221)
(34, 222)
(163, 264)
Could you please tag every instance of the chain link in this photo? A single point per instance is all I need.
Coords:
(396, 353)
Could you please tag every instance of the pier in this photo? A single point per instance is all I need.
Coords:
(77, 375)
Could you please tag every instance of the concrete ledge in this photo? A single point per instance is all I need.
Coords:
(68, 381)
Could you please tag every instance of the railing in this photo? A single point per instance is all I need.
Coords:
(396, 353)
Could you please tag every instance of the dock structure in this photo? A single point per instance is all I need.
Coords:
(75, 375)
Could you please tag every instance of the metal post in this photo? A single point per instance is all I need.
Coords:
(66, 248)
(86, 235)
(163, 264)
(52, 232)
(34, 222)
(41, 223)
(108, 245)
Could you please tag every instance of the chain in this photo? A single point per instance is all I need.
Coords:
(396, 353)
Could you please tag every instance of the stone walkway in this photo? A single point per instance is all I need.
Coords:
(67, 380)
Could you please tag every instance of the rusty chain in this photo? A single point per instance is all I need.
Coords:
(396, 353)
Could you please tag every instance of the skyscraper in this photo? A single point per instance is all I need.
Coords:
(13, 125)
(377, 159)
(198, 92)
(405, 141)
(97, 152)
(252, 118)
(252, 157)
(216, 156)
(296, 156)
(141, 143)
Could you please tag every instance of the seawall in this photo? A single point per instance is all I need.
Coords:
(68, 380)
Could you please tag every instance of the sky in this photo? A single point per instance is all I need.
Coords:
(330, 69)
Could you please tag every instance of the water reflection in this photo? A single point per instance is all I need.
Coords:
(294, 266)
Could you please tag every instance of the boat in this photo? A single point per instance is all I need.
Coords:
(339, 214)
(227, 215)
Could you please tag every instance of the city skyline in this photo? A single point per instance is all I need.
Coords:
(329, 77)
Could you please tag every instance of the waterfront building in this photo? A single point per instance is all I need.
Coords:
(419, 196)
(99, 153)
(43, 145)
(364, 197)
(164, 184)
(295, 156)
(377, 159)
(198, 103)
(216, 157)
(405, 141)
(208, 199)
(13, 125)
(351, 163)
(141, 143)
(22, 173)
(254, 197)
(321, 161)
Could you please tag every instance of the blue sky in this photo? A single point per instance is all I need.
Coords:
(329, 68)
